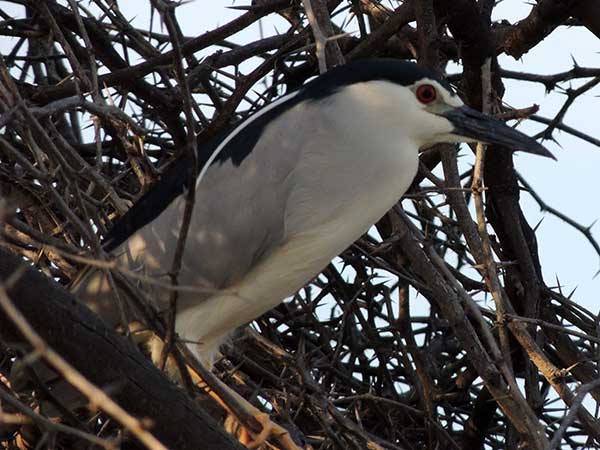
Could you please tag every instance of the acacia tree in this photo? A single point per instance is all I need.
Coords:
(93, 111)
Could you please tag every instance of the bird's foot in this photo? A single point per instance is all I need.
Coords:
(256, 427)
(270, 432)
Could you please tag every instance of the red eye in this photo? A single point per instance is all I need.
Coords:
(426, 93)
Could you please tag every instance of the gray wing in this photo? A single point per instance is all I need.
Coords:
(239, 216)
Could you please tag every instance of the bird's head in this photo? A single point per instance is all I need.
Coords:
(423, 105)
(445, 118)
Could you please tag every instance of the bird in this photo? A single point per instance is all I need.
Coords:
(288, 189)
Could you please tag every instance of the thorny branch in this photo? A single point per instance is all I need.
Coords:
(393, 345)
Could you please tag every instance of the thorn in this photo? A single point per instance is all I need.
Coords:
(572, 292)
(557, 143)
(575, 65)
(589, 227)
(538, 224)
(553, 139)
(558, 286)
(242, 7)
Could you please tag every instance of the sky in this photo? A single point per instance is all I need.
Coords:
(569, 184)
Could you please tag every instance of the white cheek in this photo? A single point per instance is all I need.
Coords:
(436, 130)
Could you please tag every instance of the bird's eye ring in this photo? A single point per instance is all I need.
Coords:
(426, 93)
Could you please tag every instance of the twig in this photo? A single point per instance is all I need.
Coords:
(48, 424)
(586, 231)
(567, 129)
(582, 391)
(327, 49)
(167, 10)
(490, 270)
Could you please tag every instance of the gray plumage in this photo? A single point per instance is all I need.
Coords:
(320, 172)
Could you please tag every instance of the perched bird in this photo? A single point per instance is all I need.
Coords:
(287, 190)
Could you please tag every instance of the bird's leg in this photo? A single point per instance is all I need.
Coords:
(257, 426)
(256, 423)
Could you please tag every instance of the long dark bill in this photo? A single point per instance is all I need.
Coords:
(481, 127)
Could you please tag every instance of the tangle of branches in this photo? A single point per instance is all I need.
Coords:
(436, 330)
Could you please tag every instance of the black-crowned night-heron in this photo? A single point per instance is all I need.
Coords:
(290, 188)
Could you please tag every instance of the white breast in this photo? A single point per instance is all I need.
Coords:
(339, 190)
